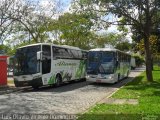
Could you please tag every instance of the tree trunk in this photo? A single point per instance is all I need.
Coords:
(148, 60)
(147, 31)
(152, 64)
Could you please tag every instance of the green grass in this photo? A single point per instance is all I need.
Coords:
(148, 95)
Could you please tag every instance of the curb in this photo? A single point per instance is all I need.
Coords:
(3, 87)
(8, 89)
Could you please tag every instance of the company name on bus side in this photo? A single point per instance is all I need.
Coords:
(62, 63)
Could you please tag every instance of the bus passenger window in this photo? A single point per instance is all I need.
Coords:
(46, 59)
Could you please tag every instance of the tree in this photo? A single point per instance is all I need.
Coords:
(124, 46)
(34, 19)
(91, 8)
(139, 14)
(23, 21)
(5, 21)
(75, 30)
(153, 40)
(141, 21)
(29, 19)
(3, 49)
(110, 39)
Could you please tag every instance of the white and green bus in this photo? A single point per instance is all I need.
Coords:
(107, 65)
(48, 64)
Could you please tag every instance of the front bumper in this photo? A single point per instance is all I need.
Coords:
(98, 79)
(34, 82)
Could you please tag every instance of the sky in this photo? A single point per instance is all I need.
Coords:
(45, 3)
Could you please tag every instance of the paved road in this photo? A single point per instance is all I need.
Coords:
(68, 99)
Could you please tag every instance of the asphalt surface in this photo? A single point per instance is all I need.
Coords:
(71, 98)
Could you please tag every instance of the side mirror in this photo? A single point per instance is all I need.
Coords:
(39, 55)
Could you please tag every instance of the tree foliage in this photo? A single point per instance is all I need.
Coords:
(142, 20)
(75, 30)
(153, 40)
(26, 19)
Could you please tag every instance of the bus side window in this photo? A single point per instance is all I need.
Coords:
(79, 54)
(75, 54)
(84, 55)
(58, 53)
(55, 52)
(61, 53)
(66, 53)
(70, 53)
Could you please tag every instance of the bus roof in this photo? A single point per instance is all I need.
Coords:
(104, 49)
(107, 49)
(63, 46)
(70, 47)
(34, 45)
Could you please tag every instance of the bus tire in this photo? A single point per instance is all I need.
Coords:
(83, 79)
(118, 79)
(35, 87)
(58, 80)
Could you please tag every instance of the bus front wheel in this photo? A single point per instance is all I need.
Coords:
(35, 86)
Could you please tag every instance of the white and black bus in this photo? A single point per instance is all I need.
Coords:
(47, 64)
(107, 65)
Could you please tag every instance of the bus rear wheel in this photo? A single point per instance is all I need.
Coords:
(58, 81)
(118, 77)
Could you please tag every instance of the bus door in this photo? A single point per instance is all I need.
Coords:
(46, 63)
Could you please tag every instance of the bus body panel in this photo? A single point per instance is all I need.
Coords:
(68, 69)
(28, 80)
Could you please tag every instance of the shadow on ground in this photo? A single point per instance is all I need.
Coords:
(78, 85)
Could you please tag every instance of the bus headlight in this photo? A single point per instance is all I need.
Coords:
(87, 76)
(111, 77)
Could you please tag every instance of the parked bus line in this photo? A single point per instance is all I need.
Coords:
(48, 64)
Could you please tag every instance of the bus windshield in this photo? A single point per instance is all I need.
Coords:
(26, 60)
(107, 63)
(93, 62)
(100, 62)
